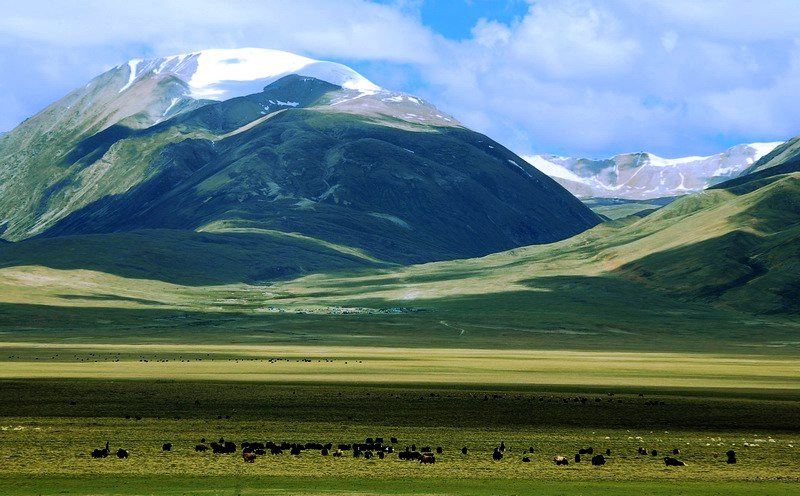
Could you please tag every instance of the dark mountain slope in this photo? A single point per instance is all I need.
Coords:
(401, 193)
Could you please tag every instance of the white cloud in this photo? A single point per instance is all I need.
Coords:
(582, 77)
(490, 33)
(669, 40)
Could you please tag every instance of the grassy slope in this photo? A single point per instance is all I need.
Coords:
(688, 277)
(218, 256)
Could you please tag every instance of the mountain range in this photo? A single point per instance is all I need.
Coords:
(165, 177)
(644, 176)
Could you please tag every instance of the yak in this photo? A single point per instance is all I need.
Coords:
(598, 460)
(427, 458)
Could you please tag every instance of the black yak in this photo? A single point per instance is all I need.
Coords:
(598, 460)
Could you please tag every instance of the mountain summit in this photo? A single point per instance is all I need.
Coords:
(267, 145)
(220, 74)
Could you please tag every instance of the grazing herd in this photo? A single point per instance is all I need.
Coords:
(376, 447)
(105, 452)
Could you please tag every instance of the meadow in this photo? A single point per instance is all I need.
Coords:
(637, 333)
(60, 401)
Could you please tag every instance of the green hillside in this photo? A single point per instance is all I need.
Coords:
(297, 158)
(712, 271)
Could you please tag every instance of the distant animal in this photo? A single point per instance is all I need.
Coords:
(673, 462)
(393, 440)
(166, 447)
(410, 455)
(598, 460)
(324, 452)
(201, 447)
(560, 460)
(497, 455)
(439, 450)
(249, 457)
(731, 457)
(654, 453)
(577, 458)
(427, 458)
(101, 453)
(464, 450)
(676, 451)
(608, 452)
(121, 453)
(502, 446)
(381, 455)
(525, 459)
(337, 453)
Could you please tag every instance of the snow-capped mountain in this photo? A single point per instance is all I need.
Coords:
(139, 94)
(221, 74)
(642, 176)
(271, 141)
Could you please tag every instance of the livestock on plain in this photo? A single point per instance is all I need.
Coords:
(427, 458)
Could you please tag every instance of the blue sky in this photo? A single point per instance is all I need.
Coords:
(574, 77)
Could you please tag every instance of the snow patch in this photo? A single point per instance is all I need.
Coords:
(520, 168)
(171, 104)
(217, 68)
(762, 149)
(132, 76)
(552, 169)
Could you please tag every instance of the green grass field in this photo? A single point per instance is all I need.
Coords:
(58, 402)
(49, 453)
(679, 330)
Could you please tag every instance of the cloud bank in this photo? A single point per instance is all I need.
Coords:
(577, 77)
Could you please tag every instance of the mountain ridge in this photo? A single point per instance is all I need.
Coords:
(645, 176)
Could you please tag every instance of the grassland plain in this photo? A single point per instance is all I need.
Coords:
(702, 405)
(48, 428)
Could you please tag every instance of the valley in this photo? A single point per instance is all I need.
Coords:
(259, 246)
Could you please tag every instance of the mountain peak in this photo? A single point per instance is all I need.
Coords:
(221, 74)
